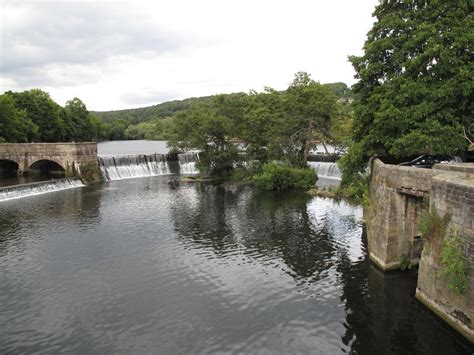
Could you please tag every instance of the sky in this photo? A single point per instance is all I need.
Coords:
(125, 54)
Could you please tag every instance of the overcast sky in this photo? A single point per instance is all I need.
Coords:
(123, 54)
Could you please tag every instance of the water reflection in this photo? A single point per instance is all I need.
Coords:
(133, 266)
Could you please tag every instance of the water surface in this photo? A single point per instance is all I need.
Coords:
(134, 266)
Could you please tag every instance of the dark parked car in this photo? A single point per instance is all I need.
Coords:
(427, 161)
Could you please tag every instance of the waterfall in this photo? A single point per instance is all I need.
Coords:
(133, 166)
(326, 170)
(38, 188)
(187, 163)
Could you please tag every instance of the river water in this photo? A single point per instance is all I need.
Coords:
(138, 266)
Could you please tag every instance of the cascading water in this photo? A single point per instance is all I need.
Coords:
(133, 166)
(325, 169)
(187, 163)
(38, 188)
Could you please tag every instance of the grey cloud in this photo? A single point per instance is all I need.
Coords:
(77, 33)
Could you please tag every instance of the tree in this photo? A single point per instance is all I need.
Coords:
(42, 111)
(80, 125)
(14, 125)
(311, 109)
(206, 129)
(415, 85)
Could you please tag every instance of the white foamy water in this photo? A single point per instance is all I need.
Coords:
(325, 169)
(133, 166)
(38, 188)
(188, 163)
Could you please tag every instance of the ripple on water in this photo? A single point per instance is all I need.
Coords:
(133, 266)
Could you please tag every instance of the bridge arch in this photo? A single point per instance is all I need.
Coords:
(46, 167)
(8, 167)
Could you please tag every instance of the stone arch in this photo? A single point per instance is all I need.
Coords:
(46, 166)
(8, 167)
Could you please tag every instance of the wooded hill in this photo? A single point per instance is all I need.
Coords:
(169, 108)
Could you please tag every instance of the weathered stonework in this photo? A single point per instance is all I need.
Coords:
(396, 196)
(452, 195)
(396, 200)
(70, 156)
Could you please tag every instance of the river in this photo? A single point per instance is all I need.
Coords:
(136, 266)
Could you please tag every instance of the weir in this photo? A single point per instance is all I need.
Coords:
(326, 170)
(38, 188)
(141, 165)
(133, 166)
(187, 163)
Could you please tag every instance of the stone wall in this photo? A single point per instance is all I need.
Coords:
(452, 195)
(396, 200)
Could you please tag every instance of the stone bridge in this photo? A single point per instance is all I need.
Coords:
(24, 158)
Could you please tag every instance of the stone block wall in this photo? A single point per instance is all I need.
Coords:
(396, 200)
(396, 197)
(452, 195)
(66, 155)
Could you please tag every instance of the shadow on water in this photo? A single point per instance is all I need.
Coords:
(383, 316)
(317, 241)
(134, 266)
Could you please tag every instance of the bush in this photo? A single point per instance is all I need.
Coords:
(277, 176)
(90, 172)
(432, 226)
(455, 266)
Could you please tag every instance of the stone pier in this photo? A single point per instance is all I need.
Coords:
(398, 195)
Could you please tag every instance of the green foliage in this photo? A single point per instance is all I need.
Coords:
(455, 266)
(41, 110)
(415, 82)
(279, 176)
(310, 110)
(163, 110)
(432, 226)
(14, 124)
(207, 129)
(405, 263)
(32, 116)
(90, 172)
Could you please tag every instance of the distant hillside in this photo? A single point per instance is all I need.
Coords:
(142, 114)
(169, 108)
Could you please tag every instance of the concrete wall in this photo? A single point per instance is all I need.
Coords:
(67, 155)
(396, 196)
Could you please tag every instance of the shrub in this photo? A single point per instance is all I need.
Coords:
(432, 225)
(278, 176)
(455, 267)
(90, 172)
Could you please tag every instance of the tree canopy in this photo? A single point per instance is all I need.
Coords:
(271, 125)
(32, 116)
(415, 88)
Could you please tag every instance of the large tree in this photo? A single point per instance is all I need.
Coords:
(14, 124)
(208, 128)
(415, 88)
(42, 111)
(311, 109)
